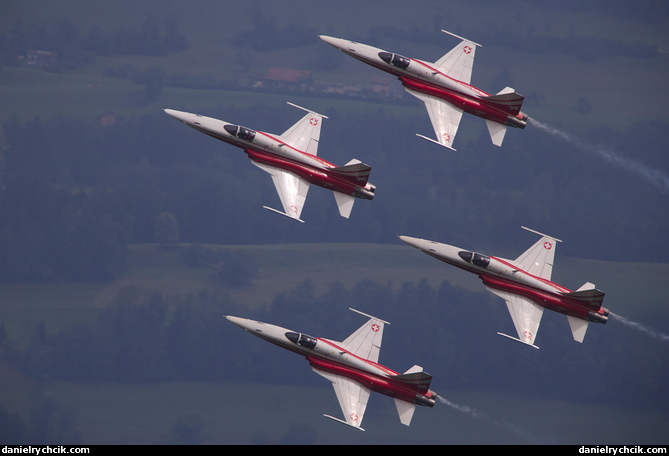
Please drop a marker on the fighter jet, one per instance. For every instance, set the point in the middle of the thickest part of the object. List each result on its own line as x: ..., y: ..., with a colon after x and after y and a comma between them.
x: 352, y: 367
x: 291, y: 159
x: 444, y: 87
x: 524, y: 283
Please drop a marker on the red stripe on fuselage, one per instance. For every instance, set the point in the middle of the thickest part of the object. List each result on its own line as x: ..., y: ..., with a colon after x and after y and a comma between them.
x: 316, y: 176
x: 559, y: 288
x: 376, y: 383
x: 371, y: 363
x: 480, y: 92
x: 469, y: 104
x: 324, y: 163
x: 543, y: 298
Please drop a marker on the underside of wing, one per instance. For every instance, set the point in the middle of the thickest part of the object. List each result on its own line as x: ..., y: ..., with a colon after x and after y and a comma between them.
x: 365, y: 342
x: 305, y: 134
x: 526, y: 315
x: 458, y: 63
x: 444, y: 116
x: 538, y: 259
x: 291, y: 188
x: 352, y: 397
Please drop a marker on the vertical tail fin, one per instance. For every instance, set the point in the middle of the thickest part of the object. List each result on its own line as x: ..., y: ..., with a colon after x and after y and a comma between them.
x: 588, y: 295
x: 507, y: 100
x: 416, y: 378
x: 354, y: 171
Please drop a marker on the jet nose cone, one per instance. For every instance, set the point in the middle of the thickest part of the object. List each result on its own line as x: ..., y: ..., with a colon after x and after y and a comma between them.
x: 336, y: 42
x: 410, y: 240
x: 241, y: 322
x: 179, y: 115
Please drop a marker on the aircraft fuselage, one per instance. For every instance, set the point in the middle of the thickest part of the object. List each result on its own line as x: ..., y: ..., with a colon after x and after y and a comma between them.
x: 501, y: 274
x: 267, y: 149
x: 327, y: 355
x: 422, y: 77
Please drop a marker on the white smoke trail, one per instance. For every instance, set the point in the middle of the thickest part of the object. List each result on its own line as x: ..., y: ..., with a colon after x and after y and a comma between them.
x: 482, y: 416
x: 640, y: 327
x: 653, y: 176
x: 464, y: 408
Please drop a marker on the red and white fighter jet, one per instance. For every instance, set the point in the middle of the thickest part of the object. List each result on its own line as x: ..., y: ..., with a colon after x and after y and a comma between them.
x: 352, y: 367
x: 524, y: 283
x: 444, y: 86
x: 291, y: 159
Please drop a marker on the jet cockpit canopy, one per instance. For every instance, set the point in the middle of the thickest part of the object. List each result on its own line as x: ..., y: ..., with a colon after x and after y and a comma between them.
x: 240, y: 132
x: 394, y: 59
x: 302, y: 340
x: 476, y: 259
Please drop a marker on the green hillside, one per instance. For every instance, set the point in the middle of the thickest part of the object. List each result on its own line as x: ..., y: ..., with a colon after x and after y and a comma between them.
x: 633, y: 289
x: 558, y: 79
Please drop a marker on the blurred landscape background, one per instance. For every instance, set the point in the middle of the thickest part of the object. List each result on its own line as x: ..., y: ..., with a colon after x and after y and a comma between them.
x: 125, y: 236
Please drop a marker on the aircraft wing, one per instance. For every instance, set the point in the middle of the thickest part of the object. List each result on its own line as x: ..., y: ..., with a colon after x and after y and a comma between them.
x: 292, y: 190
x: 444, y: 116
x: 525, y: 314
x: 305, y: 134
x: 458, y: 63
x: 366, y: 341
x: 538, y: 259
x: 352, y: 397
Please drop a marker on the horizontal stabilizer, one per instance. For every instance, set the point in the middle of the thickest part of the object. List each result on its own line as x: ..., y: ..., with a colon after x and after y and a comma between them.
x: 356, y: 172
x: 405, y: 411
x: 510, y: 102
x: 416, y: 379
x: 344, y: 203
x: 578, y: 327
x: 497, y: 132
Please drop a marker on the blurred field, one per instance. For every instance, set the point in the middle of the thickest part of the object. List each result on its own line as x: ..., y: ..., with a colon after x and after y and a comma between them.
x: 257, y: 413
x: 633, y: 289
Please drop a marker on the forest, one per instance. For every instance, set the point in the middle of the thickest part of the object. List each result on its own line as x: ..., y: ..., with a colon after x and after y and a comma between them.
x: 148, y: 336
x: 97, y: 189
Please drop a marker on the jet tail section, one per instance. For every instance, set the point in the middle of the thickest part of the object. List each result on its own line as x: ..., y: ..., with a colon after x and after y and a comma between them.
x: 354, y: 171
x: 507, y: 100
x: 416, y: 378
x: 588, y: 295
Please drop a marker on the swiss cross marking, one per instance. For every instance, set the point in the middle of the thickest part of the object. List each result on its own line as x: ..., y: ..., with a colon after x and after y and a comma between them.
x: 313, y: 121
x: 375, y: 327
